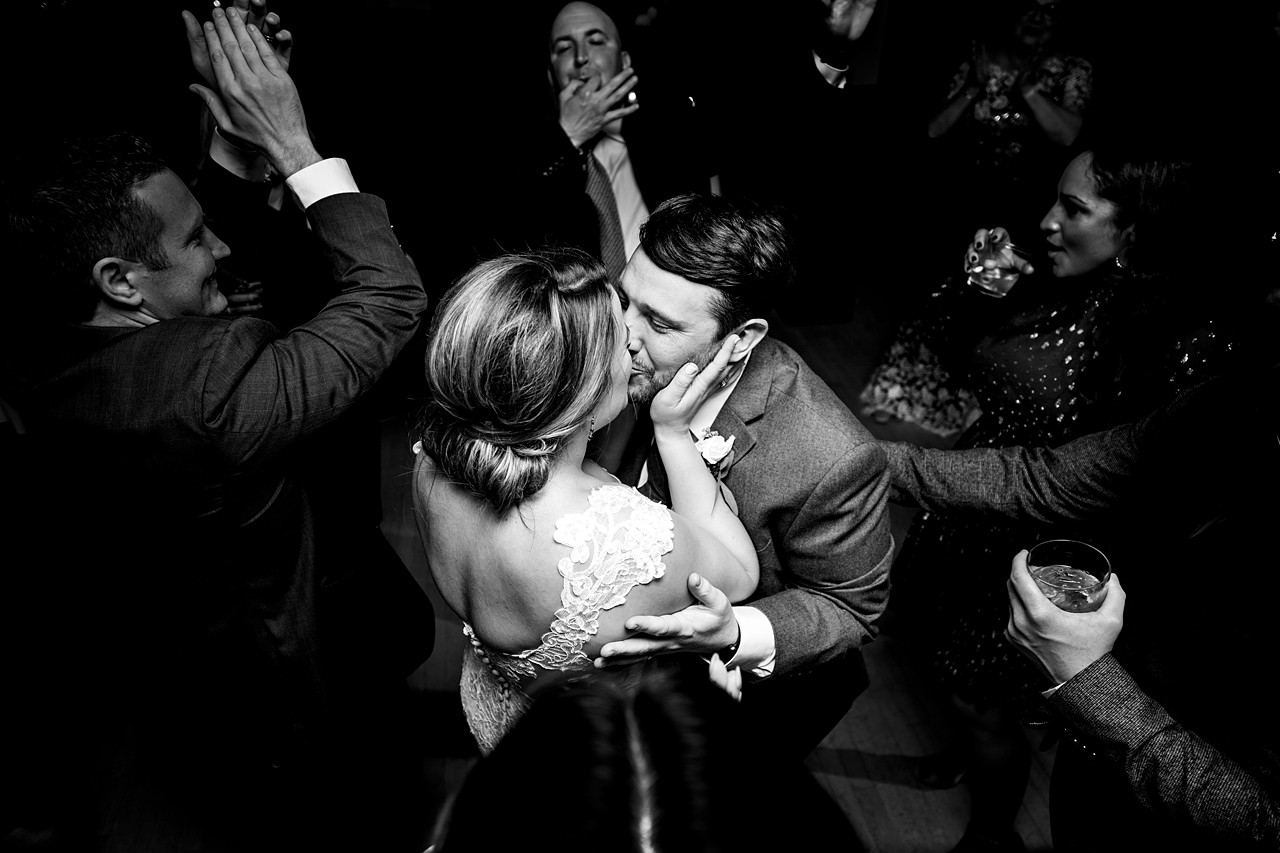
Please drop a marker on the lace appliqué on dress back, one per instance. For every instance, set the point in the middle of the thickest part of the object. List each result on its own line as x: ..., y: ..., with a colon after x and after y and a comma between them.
x: 608, y: 557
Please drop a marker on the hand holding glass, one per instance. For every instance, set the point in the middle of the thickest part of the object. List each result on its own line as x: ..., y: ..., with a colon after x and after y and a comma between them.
x: 1073, y: 575
x: 993, y: 263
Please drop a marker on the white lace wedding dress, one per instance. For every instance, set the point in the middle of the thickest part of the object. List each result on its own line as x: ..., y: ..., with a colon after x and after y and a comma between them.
x: 608, y: 556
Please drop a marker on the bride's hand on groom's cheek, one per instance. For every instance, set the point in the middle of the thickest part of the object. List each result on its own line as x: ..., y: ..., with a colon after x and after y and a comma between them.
x: 705, y: 627
x: 673, y: 407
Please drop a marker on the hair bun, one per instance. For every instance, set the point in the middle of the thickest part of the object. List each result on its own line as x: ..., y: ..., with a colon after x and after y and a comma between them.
x: 521, y: 353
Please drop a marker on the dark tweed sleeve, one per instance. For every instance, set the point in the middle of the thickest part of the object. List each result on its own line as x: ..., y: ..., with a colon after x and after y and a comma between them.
x: 262, y: 391
x: 1171, y: 770
x: 1069, y: 483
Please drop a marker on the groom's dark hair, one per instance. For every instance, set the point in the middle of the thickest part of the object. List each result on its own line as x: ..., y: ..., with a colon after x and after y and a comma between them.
x: 740, y: 248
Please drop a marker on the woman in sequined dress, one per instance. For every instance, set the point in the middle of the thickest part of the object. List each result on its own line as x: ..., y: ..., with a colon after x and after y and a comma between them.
x: 1109, y: 335
x: 1013, y: 108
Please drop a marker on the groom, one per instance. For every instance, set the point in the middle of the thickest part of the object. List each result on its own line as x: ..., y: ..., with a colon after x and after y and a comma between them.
x: 811, y: 484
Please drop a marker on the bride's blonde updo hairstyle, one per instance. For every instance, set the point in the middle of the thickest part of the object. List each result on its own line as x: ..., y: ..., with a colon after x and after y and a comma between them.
x: 520, y: 355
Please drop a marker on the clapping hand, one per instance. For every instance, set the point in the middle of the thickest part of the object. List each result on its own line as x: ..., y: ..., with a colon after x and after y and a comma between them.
x: 1059, y: 643
x: 704, y: 627
x: 980, y: 69
x: 1029, y: 81
x: 988, y: 241
x: 281, y: 40
x: 848, y: 19
x: 673, y: 407
x: 245, y: 302
x: 587, y: 106
x: 255, y: 100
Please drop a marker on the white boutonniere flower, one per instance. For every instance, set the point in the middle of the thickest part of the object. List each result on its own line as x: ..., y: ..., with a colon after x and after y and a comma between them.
x: 717, y: 452
x: 714, y: 448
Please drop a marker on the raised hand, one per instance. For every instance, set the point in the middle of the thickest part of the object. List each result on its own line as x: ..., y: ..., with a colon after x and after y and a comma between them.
x: 245, y: 302
x: 1059, y: 643
x: 704, y: 627
x: 587, y: 106
x: 992, y: 249
x: 674, y: 407
x: 848, y: 19
x: 255, y: 100
x: 281, y: 41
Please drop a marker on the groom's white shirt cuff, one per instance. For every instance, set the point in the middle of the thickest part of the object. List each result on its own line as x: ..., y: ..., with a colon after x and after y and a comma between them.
x: 757, y: 650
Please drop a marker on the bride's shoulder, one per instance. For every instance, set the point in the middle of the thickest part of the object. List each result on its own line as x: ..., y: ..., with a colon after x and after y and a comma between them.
x: 615, y: 497
x: 614, y: 509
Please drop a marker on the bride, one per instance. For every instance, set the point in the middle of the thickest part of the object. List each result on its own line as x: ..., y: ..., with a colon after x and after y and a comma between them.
x: 541, y: 552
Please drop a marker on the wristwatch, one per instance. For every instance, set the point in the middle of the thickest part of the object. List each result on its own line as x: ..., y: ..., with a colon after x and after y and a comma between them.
x: 727, y: 653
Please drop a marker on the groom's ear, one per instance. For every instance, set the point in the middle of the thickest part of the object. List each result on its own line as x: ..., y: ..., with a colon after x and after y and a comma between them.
x: 749, y: 334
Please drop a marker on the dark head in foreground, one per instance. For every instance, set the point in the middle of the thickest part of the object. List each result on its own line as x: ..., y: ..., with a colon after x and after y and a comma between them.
x: 660, y: 765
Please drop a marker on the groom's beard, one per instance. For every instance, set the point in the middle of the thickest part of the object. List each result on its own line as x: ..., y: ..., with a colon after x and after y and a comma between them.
x: 646, y: 380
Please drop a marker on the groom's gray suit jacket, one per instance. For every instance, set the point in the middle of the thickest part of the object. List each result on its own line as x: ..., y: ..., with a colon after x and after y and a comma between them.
x: 811, y: 486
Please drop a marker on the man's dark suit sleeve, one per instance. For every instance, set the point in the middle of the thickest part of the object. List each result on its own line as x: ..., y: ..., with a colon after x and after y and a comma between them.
x: 838, y: 551
x: 262, y: 391
x: 1171, y: 770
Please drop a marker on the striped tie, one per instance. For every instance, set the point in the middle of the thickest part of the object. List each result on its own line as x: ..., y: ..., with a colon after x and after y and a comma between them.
x: 613, y: 251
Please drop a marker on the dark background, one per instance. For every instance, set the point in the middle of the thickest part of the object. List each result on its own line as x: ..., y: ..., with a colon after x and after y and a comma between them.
x: 427, y: 100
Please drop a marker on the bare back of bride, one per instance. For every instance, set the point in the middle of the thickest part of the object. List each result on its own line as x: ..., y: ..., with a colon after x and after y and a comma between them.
x: 542, y: 553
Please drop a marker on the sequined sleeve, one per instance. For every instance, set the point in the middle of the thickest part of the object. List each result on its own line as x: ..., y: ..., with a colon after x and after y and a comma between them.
x: 1069, y: 82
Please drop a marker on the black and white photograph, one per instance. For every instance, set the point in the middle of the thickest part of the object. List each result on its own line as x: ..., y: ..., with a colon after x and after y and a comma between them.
x: 654, y: 426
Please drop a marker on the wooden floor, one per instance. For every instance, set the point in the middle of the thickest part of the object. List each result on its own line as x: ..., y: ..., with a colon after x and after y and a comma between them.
x: 866, y: 761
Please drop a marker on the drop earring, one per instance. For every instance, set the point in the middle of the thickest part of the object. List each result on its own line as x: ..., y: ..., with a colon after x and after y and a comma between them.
x: 591, y: 428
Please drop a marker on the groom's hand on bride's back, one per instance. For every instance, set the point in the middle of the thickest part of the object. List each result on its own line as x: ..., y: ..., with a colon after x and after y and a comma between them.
x: 704, y: 627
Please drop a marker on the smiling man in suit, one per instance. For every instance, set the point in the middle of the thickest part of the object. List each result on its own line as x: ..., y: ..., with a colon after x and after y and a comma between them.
x: 185, y: 601
x: 809, y: 481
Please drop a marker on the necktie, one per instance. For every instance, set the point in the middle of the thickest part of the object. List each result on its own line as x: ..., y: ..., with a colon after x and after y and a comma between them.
x: 637, y: 451
x: 656, y: 488
x: 613, y: 251
x: 642, y: 450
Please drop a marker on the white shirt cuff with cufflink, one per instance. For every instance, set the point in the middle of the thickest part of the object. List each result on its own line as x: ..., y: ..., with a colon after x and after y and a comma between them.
x: 321, y: 180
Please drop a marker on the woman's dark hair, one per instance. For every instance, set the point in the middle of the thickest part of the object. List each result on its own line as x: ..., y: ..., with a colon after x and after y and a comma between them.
x: 521, y: 353
x: 652, y: 766
x: 1162, y: 192
x: 1168, y: 190
x: 73, y: 205
x: 741, y: 249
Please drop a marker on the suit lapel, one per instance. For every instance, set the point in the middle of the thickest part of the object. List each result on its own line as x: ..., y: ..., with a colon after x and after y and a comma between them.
x: 745, y: 405
x: 748, y: 401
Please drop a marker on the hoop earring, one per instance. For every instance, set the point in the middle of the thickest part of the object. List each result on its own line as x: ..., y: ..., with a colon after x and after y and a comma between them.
x: 1122, y: 259
x: 591, y: 428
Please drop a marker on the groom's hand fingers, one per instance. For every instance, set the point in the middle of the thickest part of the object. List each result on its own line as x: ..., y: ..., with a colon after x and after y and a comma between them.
x: 634, y: 650
x: 659, y: 626
x: 706, y: 593
x: 662, y: 634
